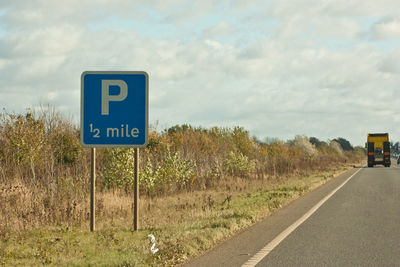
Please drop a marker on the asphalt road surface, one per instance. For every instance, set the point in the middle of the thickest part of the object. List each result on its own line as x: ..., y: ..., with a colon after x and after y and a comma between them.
x: 356, y: 225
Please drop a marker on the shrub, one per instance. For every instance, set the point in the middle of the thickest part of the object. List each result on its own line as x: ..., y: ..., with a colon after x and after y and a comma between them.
x: 174, y: 169
x: 244, y: 144
x: 238, y: 165
x: 119, y: 168
x: 303, y: 143
x: 45, y: 148
x: 336, y: 147
x: 172, y: 172
x: 25, y: 139
x: 149, y: 179
x: 67, y: 148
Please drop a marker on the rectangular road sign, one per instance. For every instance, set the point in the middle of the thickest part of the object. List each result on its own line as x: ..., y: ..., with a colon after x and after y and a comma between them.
x: 114, y: 108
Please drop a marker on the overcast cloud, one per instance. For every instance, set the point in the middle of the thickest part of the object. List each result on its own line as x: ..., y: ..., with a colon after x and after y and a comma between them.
x: 277, y: 68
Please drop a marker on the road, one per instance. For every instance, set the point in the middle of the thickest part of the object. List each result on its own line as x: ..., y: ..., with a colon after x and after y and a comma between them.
x: 358, y: 225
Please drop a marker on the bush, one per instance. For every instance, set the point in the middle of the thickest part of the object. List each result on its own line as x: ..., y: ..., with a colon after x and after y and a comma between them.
x: 172, y: 172
x: 336, y: 147
x: 42, y: 152
x: 67, y: 148
x: 304, y: 145
x: 118, y: 171
x: 238, y: 165
x: 24, y: 140
x: 175, y: 170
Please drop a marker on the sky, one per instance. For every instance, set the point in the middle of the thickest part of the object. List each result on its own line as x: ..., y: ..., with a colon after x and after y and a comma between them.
x: 323, y: 68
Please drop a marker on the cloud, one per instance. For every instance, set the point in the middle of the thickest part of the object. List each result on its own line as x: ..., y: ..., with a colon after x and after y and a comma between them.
x: 191, y: 11
x: 280, y: 74
x: 390, y: 63
x: 337, y: 8
x: 220, y: 30
x: 386, y: 29
x: 315, y: 18
x: 48, y: 41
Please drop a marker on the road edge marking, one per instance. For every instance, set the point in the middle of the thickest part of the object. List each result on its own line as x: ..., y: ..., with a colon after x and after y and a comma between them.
x: 279, y: 238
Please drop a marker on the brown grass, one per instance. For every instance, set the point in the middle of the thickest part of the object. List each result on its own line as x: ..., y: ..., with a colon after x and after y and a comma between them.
x: 184, y: 223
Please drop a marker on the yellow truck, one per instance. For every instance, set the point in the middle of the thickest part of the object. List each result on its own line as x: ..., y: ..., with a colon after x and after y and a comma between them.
x: 378, y: 147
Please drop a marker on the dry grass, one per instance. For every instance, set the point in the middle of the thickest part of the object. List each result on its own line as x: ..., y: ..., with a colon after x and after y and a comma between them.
x: 29, y: 208
x: 184, y: 224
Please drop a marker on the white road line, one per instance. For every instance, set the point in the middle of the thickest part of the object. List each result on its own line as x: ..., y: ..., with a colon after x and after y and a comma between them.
x: 271, y: 245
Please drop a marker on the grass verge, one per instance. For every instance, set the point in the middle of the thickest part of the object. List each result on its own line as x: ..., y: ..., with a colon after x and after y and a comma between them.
x: 184, y: 225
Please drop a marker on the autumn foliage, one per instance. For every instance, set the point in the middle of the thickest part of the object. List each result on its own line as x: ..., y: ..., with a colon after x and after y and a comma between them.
x: 44, y: 171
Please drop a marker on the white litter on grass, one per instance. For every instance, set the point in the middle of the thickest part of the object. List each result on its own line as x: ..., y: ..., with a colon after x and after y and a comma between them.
x: 153, y: 240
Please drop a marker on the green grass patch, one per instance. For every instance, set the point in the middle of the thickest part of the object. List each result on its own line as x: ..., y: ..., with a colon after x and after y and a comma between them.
x: 74, y: 248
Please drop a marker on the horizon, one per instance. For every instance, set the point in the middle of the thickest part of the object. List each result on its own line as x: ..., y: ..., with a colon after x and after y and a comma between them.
x: 164, y: 128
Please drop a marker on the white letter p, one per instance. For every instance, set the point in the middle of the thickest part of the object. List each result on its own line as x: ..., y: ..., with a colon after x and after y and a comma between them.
x: 106, y: 98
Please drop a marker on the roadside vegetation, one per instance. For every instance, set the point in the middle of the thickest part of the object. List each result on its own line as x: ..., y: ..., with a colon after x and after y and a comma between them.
x: 198, y: 186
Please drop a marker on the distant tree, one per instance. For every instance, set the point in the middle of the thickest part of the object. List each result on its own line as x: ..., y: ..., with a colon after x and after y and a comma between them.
x: 344, y: 144
x: 184, y: 128
x: 272, y: 140
x: 316, y: 142
x: 179, y: 128
x: 396, y: 148
x: 257, y: 141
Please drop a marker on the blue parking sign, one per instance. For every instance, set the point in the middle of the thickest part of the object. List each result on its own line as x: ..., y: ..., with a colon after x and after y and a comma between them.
x: 114, y: 108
